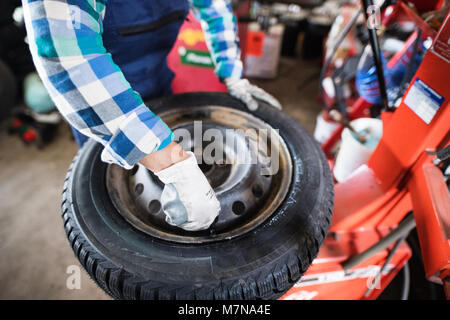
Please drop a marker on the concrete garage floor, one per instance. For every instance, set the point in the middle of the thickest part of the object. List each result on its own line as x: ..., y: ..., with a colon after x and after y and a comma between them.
x: 35, y: 253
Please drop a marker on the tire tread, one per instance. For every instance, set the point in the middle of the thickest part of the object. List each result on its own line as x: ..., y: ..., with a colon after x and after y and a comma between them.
x: 272, y: 281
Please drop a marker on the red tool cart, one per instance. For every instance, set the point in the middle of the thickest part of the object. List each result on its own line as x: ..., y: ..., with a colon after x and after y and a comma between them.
x: 364, y: 250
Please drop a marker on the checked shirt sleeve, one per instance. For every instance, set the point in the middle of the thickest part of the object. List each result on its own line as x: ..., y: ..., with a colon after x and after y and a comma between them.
x: 90, y: 91
x: 220, y: 29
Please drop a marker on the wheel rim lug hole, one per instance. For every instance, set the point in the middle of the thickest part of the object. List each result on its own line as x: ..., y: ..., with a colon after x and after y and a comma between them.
x: 257, y: 190
x: 154, y: 206
x: 238, y: 207
x: 139, y: 189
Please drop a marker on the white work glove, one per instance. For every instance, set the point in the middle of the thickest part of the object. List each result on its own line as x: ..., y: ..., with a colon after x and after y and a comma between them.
x: 243, y: 90
x: 188, y: 200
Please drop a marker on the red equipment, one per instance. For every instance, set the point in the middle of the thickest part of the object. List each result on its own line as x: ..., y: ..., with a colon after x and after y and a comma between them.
x: 399, y: 178
x: 191, y: 41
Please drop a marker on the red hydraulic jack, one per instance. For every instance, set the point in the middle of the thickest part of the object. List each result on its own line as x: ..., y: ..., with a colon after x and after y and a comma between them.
x: 364, y: 249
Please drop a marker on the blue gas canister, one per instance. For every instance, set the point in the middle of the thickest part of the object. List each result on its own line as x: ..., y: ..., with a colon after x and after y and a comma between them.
x: 366, y: 77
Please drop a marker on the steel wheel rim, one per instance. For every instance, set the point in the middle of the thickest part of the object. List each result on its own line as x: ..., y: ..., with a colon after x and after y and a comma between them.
x: 248, y: 198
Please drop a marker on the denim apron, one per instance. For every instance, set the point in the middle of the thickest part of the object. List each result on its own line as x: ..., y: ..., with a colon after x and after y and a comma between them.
x: 139, y: 34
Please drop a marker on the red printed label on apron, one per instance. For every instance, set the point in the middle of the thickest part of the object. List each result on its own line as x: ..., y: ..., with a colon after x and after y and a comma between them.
x: 255, y: 43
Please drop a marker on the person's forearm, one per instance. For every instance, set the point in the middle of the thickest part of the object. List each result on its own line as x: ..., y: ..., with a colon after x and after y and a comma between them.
x: 220, y: 28
x: 86, y: 85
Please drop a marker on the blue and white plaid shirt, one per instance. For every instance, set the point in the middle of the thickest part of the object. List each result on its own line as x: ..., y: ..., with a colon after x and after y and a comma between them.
x: 90, y: 90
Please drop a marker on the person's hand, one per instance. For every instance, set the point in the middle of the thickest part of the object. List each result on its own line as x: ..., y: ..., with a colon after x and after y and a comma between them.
x: 243, y: 90
x: 159, y: 160
x: 187, y: 199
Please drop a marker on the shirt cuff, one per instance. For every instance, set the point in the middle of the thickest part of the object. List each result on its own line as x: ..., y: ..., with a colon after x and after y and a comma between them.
x: 229, y: 69
x: 139, y: 134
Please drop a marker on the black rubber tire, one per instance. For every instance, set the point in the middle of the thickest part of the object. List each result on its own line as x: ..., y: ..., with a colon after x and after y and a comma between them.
x: 261, y: 264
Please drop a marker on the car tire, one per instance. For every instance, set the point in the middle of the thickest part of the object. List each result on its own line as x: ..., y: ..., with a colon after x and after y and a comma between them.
x: 260, y: 264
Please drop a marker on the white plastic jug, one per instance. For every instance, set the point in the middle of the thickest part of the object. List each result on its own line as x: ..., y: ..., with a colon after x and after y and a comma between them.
x: 324, y: 128
x: 352, y: 153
